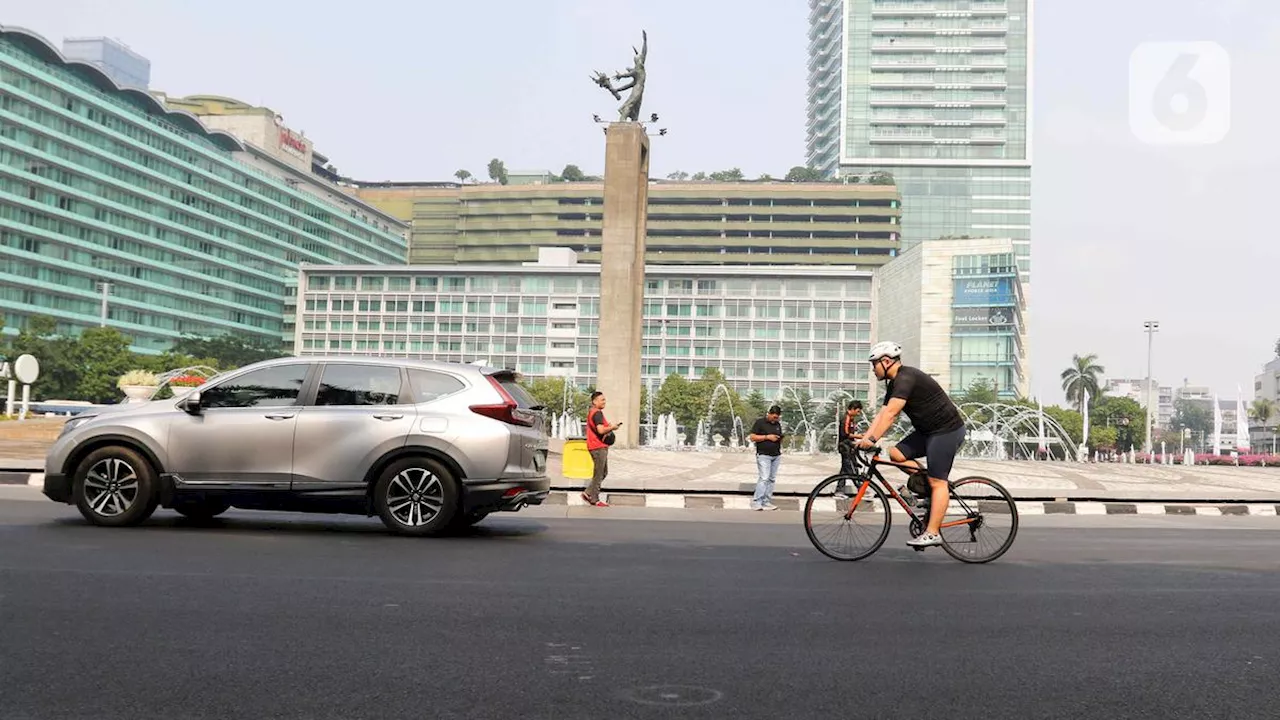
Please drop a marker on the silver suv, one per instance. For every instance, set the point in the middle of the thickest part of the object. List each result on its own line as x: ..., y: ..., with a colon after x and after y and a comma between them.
x: 428, y: 447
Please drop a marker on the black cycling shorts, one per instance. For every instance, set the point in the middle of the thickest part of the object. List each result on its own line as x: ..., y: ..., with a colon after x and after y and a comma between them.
x: 939, y: 451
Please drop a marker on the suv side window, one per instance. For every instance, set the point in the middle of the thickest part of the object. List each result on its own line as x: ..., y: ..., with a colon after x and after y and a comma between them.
x: 343, y: 384
x: 430, y: 386
x: 268, y: 387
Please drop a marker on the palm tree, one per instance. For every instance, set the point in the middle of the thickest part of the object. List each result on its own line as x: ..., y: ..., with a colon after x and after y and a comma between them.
x: 1261, y: 410
x: 1082, y: 376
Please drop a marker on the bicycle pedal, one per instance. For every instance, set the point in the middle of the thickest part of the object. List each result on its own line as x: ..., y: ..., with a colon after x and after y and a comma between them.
x: 918, y: 549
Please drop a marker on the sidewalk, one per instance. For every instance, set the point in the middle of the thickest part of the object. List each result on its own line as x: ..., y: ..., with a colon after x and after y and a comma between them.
x: 692, y: 473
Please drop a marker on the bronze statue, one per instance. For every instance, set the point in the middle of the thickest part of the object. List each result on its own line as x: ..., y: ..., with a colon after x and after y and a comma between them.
x: 630, y: 110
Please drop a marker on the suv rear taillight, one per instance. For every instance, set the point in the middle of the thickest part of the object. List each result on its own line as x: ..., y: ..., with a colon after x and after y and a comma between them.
x: 508, y: 411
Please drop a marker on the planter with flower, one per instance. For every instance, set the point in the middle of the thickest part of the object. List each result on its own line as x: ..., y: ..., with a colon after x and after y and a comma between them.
x: 183, y: 384
x: 138, y: 385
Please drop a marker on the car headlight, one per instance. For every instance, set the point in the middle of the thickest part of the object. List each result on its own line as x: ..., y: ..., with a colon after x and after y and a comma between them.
x: 74, y: 423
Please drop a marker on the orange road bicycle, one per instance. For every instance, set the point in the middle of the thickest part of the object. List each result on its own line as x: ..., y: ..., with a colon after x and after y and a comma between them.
x: 980, y: 524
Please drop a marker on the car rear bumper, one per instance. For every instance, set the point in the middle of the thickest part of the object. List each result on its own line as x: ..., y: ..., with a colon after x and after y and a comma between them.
x: 505, y: 495
x: 57, y: 487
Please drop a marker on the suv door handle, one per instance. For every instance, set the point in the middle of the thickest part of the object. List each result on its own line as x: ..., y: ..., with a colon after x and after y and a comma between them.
x: 388, y: 417
x: 280, y: 417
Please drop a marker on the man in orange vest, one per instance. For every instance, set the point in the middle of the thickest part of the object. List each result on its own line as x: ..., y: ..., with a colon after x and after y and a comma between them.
x: 599, y: 437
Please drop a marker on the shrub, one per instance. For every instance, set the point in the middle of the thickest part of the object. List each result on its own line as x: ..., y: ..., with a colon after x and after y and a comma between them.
x: 137, y: 377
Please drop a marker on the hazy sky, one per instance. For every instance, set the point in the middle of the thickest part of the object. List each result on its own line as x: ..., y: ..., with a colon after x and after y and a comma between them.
x: 1123, y: 231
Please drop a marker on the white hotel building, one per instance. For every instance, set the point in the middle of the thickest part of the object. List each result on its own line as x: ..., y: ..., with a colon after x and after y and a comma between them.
x: 765, y: 327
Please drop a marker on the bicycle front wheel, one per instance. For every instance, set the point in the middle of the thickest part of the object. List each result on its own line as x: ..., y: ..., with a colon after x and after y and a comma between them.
x: 981, y: 520
x: 848, y: 527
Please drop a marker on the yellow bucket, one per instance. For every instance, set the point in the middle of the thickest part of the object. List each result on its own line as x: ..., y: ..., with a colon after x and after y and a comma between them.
x: 577, y: 463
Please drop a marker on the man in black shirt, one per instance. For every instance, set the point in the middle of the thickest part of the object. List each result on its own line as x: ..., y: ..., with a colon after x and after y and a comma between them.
x: 767, y: 434
x: 938, y: 428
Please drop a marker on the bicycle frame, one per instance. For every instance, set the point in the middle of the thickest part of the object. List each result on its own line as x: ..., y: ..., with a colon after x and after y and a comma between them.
x: 872, y: 472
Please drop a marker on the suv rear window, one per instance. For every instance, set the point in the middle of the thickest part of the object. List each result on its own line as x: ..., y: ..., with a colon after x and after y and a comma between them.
x: 430, y: 386
x: 523, y: 400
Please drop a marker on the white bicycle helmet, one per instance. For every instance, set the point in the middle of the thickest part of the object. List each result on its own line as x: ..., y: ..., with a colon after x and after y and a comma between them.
x: 884, y: 349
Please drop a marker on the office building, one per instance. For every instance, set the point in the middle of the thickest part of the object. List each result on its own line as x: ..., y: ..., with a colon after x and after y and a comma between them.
x: 936, y: 93
x: 689, y: 223
x: 958, y: 310
x: 125, y: 67
x: 804, y: 327
x: 107, y: 193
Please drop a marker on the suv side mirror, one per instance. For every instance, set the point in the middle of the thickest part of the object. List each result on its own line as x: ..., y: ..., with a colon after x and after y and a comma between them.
x: 190, y: 403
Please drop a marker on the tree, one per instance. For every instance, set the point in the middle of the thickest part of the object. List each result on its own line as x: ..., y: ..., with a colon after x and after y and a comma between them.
x: 1125, y: 415
x: 1102, y: 438
x: 59, y: 366
x: 981, y: 391
x: 228, y: 351
x: 1261, y: 411
x: 1193, y: 416
x: 1082, y: 376
x: 699, y: 177
x: 559, y: 396
x: 498, y: 171
x: 103, y: 356
x: 572, y: 173
x: 679, y: 397
x: 463, y: 175
x: 881, y: 177
x: 1071, y: 421
x: 766, y: 177
x: 678, y: 175
x: 756, y: 405
x: 733, y: 175
x: 800, y: 173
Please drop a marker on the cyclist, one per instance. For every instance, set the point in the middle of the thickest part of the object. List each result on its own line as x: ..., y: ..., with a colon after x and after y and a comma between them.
x: 938, y: 429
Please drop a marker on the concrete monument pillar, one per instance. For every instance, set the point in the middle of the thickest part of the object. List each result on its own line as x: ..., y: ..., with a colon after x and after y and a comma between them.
x: 626, y: 208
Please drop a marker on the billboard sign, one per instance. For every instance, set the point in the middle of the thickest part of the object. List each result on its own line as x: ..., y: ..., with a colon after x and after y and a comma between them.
x: 977, y: 317
x: 984, y: 291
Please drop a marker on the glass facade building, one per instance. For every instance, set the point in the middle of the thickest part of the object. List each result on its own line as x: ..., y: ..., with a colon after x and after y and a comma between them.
x: 102, y: 184
x: 938, y: 93
x: 987, y: 323
x: 803, y: 327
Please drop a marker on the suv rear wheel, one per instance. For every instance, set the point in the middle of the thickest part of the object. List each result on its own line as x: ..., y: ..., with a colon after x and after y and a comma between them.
x: 416, y: 496
x: 115, y: 486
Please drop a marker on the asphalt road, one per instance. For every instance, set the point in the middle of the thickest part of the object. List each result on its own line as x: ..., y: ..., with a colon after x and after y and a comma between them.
x: 546, y: 616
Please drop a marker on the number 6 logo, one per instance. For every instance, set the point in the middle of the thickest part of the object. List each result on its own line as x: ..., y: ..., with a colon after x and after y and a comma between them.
x: 1179, y: 93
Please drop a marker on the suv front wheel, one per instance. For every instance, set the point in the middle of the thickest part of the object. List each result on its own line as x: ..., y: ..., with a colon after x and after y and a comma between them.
x: 115, y: 486
x: 416, y: 496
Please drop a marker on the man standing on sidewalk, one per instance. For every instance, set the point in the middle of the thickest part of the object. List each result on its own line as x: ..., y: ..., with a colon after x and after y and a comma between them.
x: 766, y: 433
x: 847, y: 437
x: 599, y: 437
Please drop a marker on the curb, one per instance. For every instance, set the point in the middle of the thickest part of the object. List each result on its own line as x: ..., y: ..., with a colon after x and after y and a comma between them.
x: 22, y: 478
x: 676, y: 501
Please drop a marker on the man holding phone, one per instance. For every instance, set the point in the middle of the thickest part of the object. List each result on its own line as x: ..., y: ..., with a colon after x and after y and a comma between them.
x: 599, y: 437
x: 767, y: 434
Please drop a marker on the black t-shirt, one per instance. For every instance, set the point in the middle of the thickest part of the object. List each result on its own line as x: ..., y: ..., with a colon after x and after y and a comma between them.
x: 928, y: 405
x: 764, y: 427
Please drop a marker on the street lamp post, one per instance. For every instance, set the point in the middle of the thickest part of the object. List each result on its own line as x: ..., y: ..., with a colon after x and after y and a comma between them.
x: 1152, y: 327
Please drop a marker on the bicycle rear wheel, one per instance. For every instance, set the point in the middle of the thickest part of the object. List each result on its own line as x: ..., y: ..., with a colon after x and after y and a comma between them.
x: 981, y: 520
x: 838, y: 533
